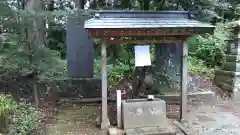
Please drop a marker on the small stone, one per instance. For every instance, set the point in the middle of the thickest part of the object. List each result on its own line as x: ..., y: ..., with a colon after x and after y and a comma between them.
x: 113, y: 131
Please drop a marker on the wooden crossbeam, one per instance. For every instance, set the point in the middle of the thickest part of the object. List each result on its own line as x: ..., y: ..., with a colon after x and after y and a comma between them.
x: 141, y: 32
x: 117, y: 42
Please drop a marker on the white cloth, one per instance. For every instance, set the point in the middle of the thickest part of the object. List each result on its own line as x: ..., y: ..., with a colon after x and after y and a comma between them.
x: 142, y: 56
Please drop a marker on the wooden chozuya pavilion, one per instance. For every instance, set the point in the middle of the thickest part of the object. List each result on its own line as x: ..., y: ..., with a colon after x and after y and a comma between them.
x: 141, y: 27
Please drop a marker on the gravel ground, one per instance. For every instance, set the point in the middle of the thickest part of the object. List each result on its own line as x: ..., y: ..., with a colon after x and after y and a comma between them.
x: 76, y: 120
x: 204, y: 119
x: 221, y: 119
x: 80, y: 120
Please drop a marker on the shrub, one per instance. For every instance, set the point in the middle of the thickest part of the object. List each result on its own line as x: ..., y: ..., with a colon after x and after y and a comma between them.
x: 197, y: 67
x: 116, y: 71
x: 7, y: 106
x: 24, y: 120
x: 17, y: 119
x: 210, y: 48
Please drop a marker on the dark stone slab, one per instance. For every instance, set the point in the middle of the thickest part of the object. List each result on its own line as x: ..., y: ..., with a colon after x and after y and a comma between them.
x: 83, y: 88
x: 21, y: 88
x: 168, y: 60
x: 80, y: 49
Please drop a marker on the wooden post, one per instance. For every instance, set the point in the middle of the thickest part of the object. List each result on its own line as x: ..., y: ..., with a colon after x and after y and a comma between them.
x: 104, y: 118
x: 184, y: 78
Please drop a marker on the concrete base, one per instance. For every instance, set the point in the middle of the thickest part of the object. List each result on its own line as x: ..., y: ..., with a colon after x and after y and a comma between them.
x: 236, y: 96
x: 151, y: 131
x: 115, y: 131
x: 142, y: 131
x: 138, y: 113
x: 105, y: 125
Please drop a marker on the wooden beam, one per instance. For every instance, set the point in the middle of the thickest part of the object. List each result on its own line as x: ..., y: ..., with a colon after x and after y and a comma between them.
x: 104, y: 118
x: 185, y: 130
x: 184, y: 78
x: 141, y: 32
x: 118, y: 41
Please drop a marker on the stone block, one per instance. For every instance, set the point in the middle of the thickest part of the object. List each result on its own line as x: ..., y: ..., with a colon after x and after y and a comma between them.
x: 138, y: 113
x: 219, y: 79
x: 231, y: 66
x: 232, y: 58
x: 236, y: 95
x: 115, y: 131
x: 233, y: 47
x: 227, y: 73
x: 226, y: 87
x: 207, y: 97
x: 227, y: 80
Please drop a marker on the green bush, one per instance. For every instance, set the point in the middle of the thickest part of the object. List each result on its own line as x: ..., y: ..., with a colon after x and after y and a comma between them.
x: 196, y: 66
x: 116, y: 71
x: 24, y: 120
x: 17, y: 119
x: 210, y: 48
x: 7, y: 107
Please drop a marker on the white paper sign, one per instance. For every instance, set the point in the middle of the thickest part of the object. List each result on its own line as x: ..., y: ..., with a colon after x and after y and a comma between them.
x: 142, y: 56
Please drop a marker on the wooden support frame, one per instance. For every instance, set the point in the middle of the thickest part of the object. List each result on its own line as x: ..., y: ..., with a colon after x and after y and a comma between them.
x: 143, y: 40
x: 117, y: 42
x: 184, y: 76
x: 144, y: 32
x: 113, y: 40
x: 184, y: 83
x: 104, y: 113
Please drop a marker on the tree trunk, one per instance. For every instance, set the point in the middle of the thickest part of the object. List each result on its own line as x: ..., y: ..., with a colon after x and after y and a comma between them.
x: 80, y: 4
x: 35, y: 90
x: 35, y: 38
x: 3, y: 125
x: 39, y: 24
x: 139, y: 81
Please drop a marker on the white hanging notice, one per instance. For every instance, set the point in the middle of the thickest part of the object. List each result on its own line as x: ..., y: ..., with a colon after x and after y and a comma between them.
x: 142, y: 56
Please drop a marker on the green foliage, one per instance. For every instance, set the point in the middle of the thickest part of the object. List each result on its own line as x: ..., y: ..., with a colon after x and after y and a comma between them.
x: 7, y: 106
x: 24, y: 120
x: 210, y: 48
x: 21, y: 118
x: 197, y: 66
x: 120, y: 70
x: 16, y: 59
x: 116, y: 71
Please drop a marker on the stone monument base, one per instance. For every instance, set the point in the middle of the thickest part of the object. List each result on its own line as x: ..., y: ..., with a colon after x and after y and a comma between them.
x: 138, y: 113
x: 151, y: 131
x: 228, y: 81
x: 145, y: 117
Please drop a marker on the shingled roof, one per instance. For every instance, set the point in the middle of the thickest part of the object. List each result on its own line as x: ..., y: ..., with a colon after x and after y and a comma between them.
x: 143, y: 19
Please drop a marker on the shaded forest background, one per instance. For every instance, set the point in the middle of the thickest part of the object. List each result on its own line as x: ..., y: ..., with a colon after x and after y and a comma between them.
x: 33, y: 37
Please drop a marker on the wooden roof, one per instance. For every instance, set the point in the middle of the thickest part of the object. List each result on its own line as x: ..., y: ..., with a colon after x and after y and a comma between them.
x: 142, y: 23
